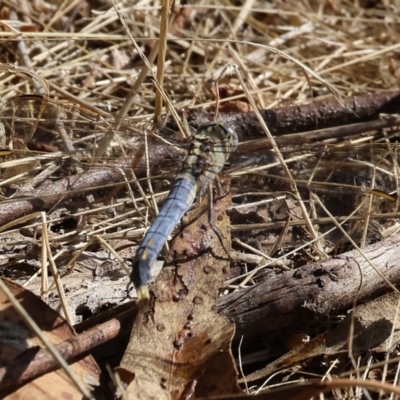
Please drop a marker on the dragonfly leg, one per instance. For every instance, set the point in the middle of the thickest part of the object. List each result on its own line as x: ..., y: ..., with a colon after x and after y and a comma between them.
x: 211, y: 219
x: 220, y: 190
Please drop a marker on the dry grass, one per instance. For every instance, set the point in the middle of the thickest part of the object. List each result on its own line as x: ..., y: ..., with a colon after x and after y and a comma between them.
x: 352, y: 48
x: 265, y: 53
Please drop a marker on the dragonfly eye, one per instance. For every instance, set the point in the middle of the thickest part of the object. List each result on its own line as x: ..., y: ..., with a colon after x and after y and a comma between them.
x: 231, y: 136
x: 206, y: 126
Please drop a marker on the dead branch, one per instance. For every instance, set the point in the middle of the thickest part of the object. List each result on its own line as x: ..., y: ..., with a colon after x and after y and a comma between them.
x: 319, y: 114
x: 299, y: 298
x: 35, y: 362
x: 294, y: 299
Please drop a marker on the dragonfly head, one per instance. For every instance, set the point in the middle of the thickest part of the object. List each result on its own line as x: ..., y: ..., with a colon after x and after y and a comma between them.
x: 221, y: 133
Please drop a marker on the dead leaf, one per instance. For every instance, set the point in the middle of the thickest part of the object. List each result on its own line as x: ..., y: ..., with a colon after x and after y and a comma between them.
x: 16, y: 339
x: 179, y: 344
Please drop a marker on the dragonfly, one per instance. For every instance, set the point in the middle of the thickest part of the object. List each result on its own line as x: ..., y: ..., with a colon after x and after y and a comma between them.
x: 212, y: 145
x: 53, y: 154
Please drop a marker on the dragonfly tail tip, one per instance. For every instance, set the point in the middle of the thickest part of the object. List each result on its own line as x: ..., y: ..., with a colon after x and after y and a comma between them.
x: 143, y: 293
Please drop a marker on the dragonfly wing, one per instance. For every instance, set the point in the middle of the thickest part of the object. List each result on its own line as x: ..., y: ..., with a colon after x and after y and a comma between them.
x: 39, y: 132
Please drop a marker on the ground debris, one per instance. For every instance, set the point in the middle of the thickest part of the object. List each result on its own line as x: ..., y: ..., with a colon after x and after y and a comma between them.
x: 179, y: 343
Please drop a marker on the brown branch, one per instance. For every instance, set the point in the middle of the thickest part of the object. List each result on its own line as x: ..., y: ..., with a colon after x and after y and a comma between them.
x: 306, y: 117
x: 29, y: 365
x: 303, y: 296
x: 336, y: 132
x: 49, y: 194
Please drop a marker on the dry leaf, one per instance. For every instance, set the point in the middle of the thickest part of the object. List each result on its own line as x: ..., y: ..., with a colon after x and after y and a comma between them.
x: 179, y: 344
x: 16, y: 339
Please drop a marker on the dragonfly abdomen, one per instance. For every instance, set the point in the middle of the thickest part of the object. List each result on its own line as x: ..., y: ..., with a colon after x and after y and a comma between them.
x: 177, y: 203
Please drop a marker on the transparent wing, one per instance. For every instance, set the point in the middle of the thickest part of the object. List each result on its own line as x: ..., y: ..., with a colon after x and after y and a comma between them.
x: 51, y: 153
x: 48, y: 148
x: 360, y: 181
x: 341, y: 169
x: 35, y: 127
x: 37, y: 131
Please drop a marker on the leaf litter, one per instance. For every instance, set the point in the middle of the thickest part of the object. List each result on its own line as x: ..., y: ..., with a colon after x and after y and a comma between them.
x: 190, y: 354
x: 350, y: 44
x: 19, y: 343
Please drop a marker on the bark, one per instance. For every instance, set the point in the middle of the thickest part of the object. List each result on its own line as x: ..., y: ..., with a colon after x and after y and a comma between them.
x: 318, y: 114
x: 293, y: 299
x: 301, y: 297
x: 35, y: 362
